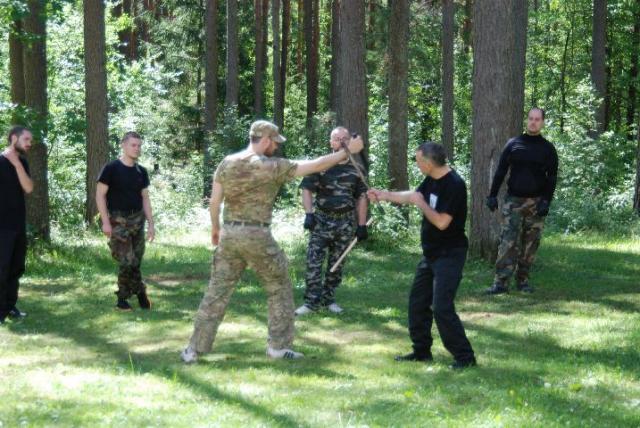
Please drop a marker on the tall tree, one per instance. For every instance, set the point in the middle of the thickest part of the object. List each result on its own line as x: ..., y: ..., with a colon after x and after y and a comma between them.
x: 260, y: 50
x: 311, y: 15
x: 520, y: 22
x: 233, y: 55
x: 598, y: 61
x: 210, y: 86
x: 448, y: 12
x: 335, y: 54
x: 35, y: 97
x: 278, y: 101
x: 398, y: 93
x: 352, y: 100
x: 97, y: 133
x: 286, y: 39
x: 300, y: 38
x: 16, y: 65
x: 633, y: 71
x: 494, y: 58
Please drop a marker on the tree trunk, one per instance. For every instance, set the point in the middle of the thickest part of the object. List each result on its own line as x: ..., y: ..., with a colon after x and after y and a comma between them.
x: 494, y: 49
x: 300, y: 39
x: 232, y: 84
x: 335, y: 54
x: 633, y: 72
x: 448, y: 12
x: 467, y: 25
x: 352, y: 100
x: 563, y: 79
x: 311, y: 55
x: 260, y: 48
x: 598, y: 61
x: 16, y: 67
x: 286, y: 39
x: 278, y: 102
x: 35, y: 72
x: 210, y: 88
x: 398, y: 93
x: 520, y: 17
x: 97, y: 132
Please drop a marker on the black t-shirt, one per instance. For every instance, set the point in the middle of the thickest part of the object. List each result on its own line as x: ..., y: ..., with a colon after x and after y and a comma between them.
x: 12, y: 206
x: 447, y: 195
x: 125, y: 185
x: 533, y: 162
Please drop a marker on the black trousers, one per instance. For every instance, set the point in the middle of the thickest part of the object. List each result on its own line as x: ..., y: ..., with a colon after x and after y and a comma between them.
x: 432, y: 294
x: 13, y: 251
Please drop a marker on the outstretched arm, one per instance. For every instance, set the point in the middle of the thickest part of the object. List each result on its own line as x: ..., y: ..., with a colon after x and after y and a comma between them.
x: 439, y: 220
x: 325, y: 162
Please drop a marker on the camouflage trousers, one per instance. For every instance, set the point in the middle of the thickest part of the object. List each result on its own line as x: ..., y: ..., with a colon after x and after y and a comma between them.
x: 328, y: 240
x: 127, y: 248
x: 519, y: 239
x: 241, y: 247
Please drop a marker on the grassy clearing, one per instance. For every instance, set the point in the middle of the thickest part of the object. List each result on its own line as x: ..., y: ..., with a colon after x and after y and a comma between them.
x: 567, y: 355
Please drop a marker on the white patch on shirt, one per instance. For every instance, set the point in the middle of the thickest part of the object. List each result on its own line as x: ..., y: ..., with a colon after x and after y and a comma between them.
x: 433, y: 200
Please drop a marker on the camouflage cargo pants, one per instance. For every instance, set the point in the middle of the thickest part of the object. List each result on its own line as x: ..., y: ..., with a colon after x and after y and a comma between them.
x: 241, y: 247
x: 127, y: 248
x: 328, y: 240
x: 519, y: 239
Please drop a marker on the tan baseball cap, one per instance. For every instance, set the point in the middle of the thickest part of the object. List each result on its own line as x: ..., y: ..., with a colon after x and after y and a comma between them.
x: 264, y: 128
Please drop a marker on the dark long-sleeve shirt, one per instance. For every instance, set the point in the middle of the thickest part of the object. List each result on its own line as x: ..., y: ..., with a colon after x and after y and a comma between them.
x: 533, y: 162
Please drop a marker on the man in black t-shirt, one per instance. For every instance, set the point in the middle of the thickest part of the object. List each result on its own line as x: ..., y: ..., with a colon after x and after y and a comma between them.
x: 14, y: 183
x: 442, y: 198
x: 533, y: 165
x: 339, y: 192
x: 122, y: 197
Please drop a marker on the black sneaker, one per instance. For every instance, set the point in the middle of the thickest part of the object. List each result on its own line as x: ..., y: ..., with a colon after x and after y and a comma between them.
x: 463, y: 364
x: 525, y: 287
x: 123, y: 305
x: 16, y: 313
x: 415, y: 357
x: 496, y: 288
x: 143, y: 300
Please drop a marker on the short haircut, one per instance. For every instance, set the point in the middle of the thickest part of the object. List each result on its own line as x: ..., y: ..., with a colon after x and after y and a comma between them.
x: 17, y: 131
x: 539, y: 109
x: 433, y: 151
x: 340, y: 129
x: 128, y: 135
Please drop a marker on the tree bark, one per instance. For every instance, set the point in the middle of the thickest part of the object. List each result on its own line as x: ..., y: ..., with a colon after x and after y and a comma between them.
x: 300, y: 38
x: 311, y: 55
x: 633, y: 72
x: 16, y: 66
x: 335, y: 54
x: 598, y: 62
x: 353, y: 101
x: 232, y: 80
x: 35, y: 72
x: 260, y: 49
x: 520, y: 16
x: 210, y: 88
x: 448, y: 12
x: 278, y: 102
x: 286, y: 40
x: 494, y: 48
x: 398, y: 93
x: 97, y: 132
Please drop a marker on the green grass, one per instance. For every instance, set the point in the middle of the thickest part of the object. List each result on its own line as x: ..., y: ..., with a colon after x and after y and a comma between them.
x: 567, y: 355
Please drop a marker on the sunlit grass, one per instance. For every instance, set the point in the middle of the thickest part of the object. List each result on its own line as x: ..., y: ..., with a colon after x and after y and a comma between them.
x: 568, y: 355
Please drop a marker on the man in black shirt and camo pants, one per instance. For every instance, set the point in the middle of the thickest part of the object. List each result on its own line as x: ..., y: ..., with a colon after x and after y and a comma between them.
x: 123, y: 201
x: 338, y: 191
x: 533, y: 165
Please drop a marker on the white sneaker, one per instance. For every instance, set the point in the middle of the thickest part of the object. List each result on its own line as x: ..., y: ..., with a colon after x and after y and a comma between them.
x: 285, y: 353
x: 335, y: 308
x: 303, y: 310
x: 189, y: 355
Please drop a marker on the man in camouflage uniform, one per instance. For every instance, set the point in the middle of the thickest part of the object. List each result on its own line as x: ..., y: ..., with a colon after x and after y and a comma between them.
x: 533, y: 165
x: 248, y: 183
x: 339, y: 190
x: 122, y: 197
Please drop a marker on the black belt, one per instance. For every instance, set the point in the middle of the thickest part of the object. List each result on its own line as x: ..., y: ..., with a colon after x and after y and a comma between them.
x: 124, y: 213
x: 246, y: 223
x: 336, y: 214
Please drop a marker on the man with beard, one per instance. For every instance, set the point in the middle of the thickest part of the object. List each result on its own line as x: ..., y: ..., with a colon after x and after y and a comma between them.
x: 14, y: 183
x: 248, y: 182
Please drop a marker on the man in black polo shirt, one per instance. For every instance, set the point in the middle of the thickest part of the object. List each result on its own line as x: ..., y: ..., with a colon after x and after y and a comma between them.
x: 442, y: 198
x: 533, y: 165
x: 14, y: 183
x: 122, y: 198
